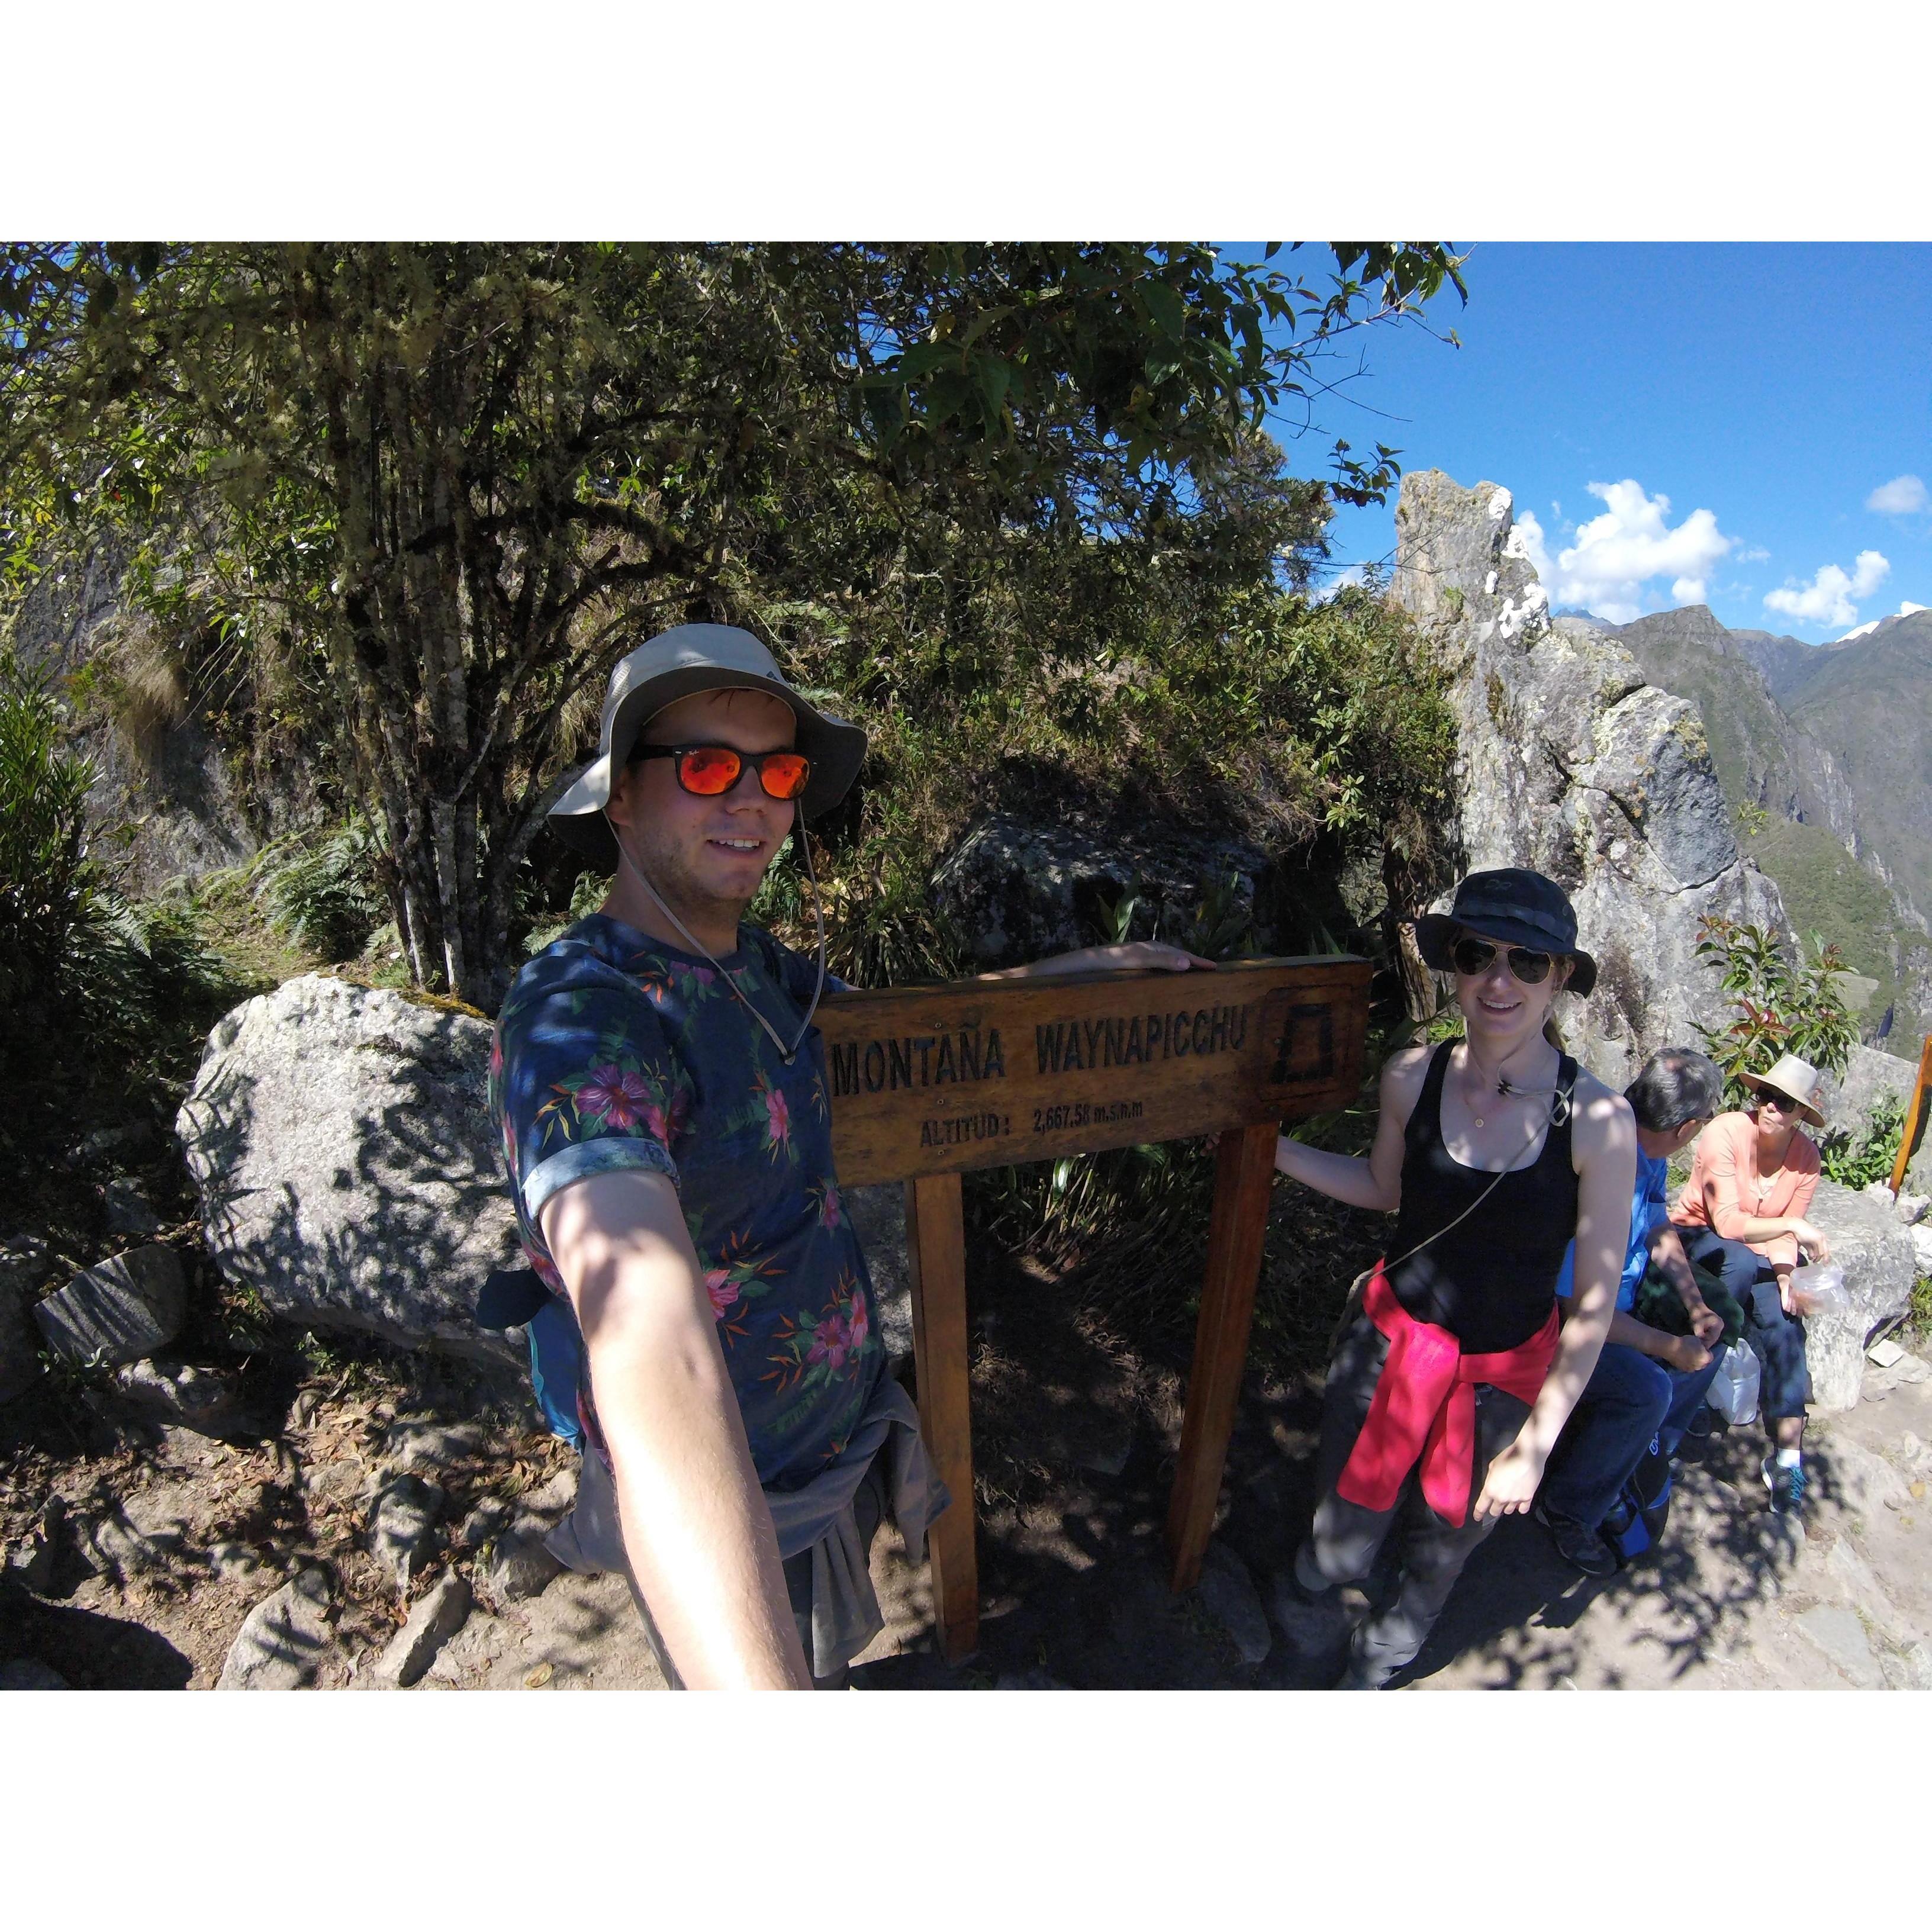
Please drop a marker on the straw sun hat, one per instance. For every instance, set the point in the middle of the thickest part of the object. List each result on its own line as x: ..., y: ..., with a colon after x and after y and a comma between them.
x: 1798, y: 1078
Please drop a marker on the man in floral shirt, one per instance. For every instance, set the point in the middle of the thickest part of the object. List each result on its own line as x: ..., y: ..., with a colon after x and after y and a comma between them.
x: 661, y: 1097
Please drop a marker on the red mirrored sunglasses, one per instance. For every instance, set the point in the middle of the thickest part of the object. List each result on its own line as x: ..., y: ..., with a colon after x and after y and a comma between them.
x: 709, y: 771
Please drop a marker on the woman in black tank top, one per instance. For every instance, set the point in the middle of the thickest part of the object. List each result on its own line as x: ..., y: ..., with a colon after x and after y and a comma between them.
x: 1494, y: 1151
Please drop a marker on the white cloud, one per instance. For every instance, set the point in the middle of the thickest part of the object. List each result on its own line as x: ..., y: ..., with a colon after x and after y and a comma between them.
x: 1831, y: 597
x: 1901, y: 497
x: 1618, y: 554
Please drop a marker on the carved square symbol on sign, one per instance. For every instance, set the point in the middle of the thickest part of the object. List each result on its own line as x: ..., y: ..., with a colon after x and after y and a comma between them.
x: 1304, y: 1046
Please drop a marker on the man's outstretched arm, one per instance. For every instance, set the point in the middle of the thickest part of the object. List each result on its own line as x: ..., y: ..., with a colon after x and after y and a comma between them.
x: 696, y: 1526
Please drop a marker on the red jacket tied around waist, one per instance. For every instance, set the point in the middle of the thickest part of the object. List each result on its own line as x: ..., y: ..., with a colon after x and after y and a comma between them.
x: 1424, y: 1407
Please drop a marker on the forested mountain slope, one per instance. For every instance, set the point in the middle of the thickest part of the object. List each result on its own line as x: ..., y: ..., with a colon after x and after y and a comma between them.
x: 1825, y: 755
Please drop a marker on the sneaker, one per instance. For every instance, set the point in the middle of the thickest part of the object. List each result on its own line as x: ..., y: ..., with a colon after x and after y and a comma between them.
x: 1577, y: 1543
x: 1786, y: 1482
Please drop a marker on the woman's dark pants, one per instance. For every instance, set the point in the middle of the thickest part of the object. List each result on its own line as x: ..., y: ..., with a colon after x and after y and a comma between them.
x: 1346, y: 1538
x: 1777, y: 1339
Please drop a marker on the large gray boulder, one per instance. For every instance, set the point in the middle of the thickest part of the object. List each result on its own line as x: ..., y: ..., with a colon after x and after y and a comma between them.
x: 341, y: 1142
x: 1848, y: 1100
x: 1019, y: 888
x: 1570, y: 763
x: 1880, y: 1265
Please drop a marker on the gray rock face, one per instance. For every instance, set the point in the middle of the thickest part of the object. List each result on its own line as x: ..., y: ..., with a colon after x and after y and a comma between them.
x: 348, y: 1173
x: 1019, y: 891
x: 23, y: 1265
x: 127, y: 1211
x: 437, y: 1617
x: 33, y: 1563
x: 1879, y: 1268
x: 878, y: 1220
x: 1568, y: 762
x: 520, y: 1567
x: 1848, y: 1100
x: 403, y: 1524
x: 177, y: 1392
x: 118, y: 1312
x: 280, y: 1645
x: 1229, y: 1593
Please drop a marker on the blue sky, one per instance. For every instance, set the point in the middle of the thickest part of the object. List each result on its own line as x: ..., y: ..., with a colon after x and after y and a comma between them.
x: 1686, y: 423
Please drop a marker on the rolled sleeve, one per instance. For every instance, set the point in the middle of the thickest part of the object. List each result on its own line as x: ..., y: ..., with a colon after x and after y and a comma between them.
x: 552, y: 1175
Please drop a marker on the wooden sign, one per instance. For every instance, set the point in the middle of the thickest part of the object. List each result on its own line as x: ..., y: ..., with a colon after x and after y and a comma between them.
x: 928, y: 1081
x: 939, y: 1079
x: 1914, y: 1114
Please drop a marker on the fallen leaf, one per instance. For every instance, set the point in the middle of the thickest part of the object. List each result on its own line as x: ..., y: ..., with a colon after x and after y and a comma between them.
x: 538, y: 1678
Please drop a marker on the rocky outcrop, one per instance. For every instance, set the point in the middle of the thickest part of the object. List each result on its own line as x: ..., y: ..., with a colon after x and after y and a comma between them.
x: 349, y: 1173
x: 123, y: 1309
x: 1019, y: 889
x: 1877, y: 1255
x: 1569, y: 762
x: 1762, y: 757
x: 341, y: 1142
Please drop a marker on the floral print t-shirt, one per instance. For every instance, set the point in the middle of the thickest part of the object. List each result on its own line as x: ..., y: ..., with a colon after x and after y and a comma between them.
x: 614, y: 1050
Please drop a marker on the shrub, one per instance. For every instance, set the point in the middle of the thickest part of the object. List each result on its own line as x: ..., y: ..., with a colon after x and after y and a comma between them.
x: 1778, y: 1006
x: 1856, y: 1160
x: 46, y: 875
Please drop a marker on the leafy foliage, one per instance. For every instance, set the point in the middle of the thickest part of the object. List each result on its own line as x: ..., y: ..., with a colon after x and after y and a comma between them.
x: 406, y: 505
x: 47, y: 879
x: 1778, y: 1005
x: 324, y: 891
x: 1856, y: 1160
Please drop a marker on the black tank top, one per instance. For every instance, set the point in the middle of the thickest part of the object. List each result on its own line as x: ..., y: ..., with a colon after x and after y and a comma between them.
x: 1491, y: 1280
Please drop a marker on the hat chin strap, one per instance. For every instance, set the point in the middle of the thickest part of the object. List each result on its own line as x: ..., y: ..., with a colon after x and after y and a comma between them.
x: 787, y: 1054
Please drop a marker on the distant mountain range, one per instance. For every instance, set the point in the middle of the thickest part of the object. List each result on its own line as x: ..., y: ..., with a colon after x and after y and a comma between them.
x: 1825, y: 755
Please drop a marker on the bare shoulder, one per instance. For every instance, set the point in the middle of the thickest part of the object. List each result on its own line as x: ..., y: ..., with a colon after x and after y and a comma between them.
x: 1604, y: 1124
x: 1402, y: 1078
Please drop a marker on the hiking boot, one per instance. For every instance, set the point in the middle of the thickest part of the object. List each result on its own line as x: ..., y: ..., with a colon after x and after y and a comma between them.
x: 1577, y: 1543
x: 1786, y: 1482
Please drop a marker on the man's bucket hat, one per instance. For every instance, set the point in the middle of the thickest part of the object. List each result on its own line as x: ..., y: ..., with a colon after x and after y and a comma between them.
x: 675, y: 664
x: 1515, y: 905
x: 1795, y: 1078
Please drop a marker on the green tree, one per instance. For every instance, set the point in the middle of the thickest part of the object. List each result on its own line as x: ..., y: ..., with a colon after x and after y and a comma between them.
x: 1778, y: 1005
x: 418, y: 498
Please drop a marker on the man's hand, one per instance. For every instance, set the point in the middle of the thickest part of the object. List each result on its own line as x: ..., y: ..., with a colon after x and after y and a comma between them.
x: 1706, y: 1323
x: 1687, y: 1353
x: 1510, y: 1485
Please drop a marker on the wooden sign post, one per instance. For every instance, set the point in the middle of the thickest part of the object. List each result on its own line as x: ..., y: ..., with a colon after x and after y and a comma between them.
x: 929, y: 1081
x: 1914, y: 1113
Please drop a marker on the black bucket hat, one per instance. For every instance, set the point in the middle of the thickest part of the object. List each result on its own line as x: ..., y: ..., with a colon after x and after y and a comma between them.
x: 1515, y: 905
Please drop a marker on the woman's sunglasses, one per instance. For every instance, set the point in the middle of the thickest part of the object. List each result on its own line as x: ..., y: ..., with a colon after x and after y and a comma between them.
x: 1473, y: 957
x: 1770, y: 1097
x: 709, y: 771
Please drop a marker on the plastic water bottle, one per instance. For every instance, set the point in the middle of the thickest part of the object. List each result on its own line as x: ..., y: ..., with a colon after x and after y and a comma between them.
x: 1819, y: 1289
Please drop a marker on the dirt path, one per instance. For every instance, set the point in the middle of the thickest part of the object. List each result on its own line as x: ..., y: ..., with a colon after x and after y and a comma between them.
x: 162, y: 1541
